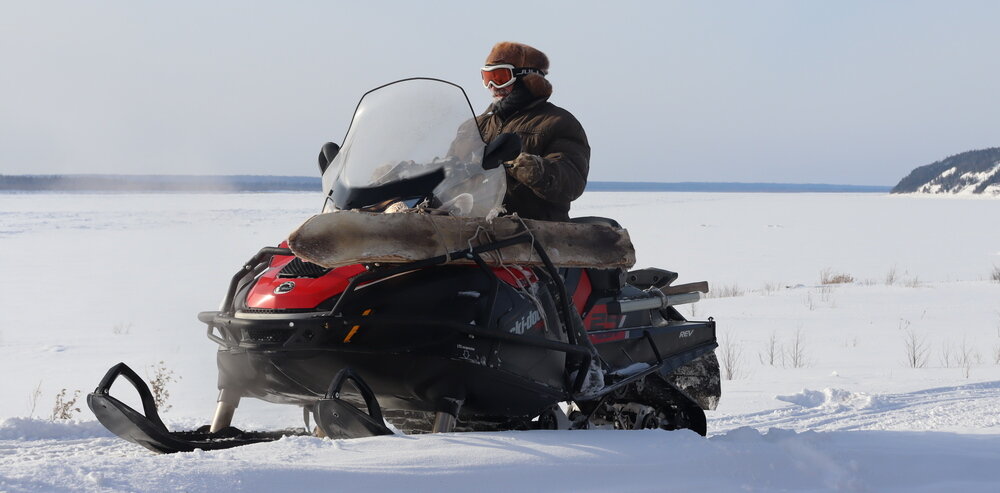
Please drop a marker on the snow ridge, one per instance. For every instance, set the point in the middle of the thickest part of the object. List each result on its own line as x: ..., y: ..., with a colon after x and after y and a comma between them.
x: 955, y: 408
x: 41, y: 429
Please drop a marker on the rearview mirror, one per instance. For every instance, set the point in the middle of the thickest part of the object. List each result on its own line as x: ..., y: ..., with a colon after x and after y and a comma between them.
x: 326, y: 155
x: 503, y: 148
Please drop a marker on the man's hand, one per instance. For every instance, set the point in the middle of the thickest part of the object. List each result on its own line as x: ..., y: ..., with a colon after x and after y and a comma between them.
x: 527, y: 168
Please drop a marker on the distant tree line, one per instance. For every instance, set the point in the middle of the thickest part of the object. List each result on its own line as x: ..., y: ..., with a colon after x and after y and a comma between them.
x: 253, y: 183
x: 157, y: 183
x: 976, y: 161
x: 731, y: 187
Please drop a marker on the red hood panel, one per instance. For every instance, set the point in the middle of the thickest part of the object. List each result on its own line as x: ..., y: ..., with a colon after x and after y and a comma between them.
x: 298, y: 293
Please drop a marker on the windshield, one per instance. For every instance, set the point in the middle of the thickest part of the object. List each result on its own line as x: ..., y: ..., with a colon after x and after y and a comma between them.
x: 414, y: 139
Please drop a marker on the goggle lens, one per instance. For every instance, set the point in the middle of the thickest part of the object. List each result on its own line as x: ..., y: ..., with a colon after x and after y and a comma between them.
x: 498, y: 75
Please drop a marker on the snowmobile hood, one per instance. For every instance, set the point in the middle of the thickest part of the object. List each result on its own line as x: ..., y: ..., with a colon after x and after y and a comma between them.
x: 281, y: 288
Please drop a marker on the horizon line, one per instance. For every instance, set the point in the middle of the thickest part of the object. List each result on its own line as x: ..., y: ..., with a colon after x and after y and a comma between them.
x: 301, y: 177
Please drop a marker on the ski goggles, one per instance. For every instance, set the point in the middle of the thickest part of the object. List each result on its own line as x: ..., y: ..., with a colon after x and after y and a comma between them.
x: 505, y: 74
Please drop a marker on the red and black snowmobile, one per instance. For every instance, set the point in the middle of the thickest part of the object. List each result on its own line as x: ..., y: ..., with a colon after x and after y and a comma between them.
x: 463, y: 340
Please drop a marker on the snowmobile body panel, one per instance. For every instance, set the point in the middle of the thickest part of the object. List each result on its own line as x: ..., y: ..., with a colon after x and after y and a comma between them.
x: 434, y: 335
x: 419, y: 382
x: 287, y: 284
x: 418, y: 338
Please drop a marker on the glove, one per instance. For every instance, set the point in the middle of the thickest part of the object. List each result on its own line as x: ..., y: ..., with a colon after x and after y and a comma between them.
x: 527, y: 168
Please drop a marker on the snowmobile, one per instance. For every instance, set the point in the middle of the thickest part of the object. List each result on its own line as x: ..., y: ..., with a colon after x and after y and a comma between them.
x: 464, y: 340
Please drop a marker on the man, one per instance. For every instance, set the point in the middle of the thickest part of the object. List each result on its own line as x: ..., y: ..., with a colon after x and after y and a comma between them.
x: 551, y: 170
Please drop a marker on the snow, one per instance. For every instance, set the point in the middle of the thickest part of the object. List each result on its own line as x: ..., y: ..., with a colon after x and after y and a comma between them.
x: 741, y: 459
x: 93, y: 279
x: 973, y: 179
x: 934, y: 186
x: 966, y: 185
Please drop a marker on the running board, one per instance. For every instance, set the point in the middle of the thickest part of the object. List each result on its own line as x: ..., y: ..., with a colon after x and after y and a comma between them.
x: 149, y: 431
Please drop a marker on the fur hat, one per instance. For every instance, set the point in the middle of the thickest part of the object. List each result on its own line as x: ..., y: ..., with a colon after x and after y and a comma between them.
x: 522, y: 55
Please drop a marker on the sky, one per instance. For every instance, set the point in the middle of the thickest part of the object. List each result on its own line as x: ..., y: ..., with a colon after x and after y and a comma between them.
x: 846, y: 92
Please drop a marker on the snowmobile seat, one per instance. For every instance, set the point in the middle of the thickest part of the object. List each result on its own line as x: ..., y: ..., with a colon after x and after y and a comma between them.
x: 604, y: 282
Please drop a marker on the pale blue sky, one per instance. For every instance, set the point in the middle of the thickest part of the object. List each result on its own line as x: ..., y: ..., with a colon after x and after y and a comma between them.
x: 768, y: 91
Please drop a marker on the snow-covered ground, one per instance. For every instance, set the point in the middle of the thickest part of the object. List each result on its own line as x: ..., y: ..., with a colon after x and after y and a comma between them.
x: 822, y: 396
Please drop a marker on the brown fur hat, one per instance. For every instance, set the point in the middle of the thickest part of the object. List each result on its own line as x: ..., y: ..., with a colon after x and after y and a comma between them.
x: 522, y: 55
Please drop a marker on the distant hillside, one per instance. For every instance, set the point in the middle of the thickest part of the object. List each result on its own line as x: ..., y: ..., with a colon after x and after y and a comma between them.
x: 158, y: 183
x: 253, y: 183
x: 973, y: 172
x: 730, y: 187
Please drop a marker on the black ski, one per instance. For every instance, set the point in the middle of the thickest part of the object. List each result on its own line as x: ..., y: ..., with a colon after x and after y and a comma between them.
x: 150, y: 432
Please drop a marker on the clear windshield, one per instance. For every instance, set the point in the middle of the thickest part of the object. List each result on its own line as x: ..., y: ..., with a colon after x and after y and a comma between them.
x: 410, y: 129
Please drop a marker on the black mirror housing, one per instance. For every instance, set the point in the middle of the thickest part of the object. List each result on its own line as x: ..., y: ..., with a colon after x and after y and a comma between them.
x: 326, y: 155
x: 503, y: 148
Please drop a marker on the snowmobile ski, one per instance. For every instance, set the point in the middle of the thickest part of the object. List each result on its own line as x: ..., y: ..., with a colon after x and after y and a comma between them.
x: 338, y: 418
x: 149, y: 431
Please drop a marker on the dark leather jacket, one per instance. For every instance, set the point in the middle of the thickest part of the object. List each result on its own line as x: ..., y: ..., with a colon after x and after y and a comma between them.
x: 554, y: 134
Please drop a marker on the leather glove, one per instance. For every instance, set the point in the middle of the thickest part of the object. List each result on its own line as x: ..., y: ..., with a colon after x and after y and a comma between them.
x: 527, y: 168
